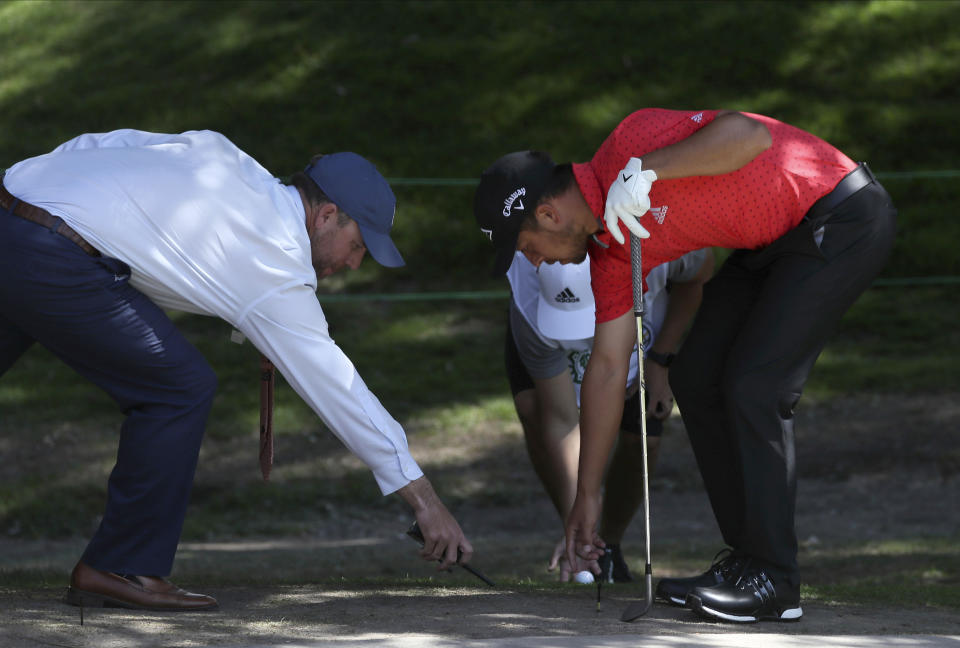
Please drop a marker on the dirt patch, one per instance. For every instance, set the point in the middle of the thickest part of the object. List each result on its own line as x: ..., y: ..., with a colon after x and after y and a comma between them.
x: 871, y: 469
x: 273, y: 616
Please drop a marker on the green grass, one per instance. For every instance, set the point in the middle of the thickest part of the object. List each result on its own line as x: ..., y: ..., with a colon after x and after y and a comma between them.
x: 902, y: 574
x: 896, y: 573
x: 894, y: 339
x: 436, y: 366
x: 440, y: 89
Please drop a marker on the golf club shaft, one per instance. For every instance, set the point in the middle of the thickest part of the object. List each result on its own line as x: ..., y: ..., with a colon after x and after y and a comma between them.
x: 636, y: 266
x: 643, y: 437
x: 635, y: 610
x: 478, y: 575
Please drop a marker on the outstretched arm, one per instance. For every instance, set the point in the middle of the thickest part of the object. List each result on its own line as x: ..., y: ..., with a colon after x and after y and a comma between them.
x: 601, y: 399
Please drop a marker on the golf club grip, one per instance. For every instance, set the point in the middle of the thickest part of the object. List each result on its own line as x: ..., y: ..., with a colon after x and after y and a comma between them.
x: 415, y: 533
x: 636, y: 269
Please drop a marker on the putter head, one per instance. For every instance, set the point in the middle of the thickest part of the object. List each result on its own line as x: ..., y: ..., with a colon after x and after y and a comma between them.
x: 638, y: 608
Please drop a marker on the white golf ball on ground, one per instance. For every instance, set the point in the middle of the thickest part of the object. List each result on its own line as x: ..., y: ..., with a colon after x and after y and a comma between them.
x: 583, y: 577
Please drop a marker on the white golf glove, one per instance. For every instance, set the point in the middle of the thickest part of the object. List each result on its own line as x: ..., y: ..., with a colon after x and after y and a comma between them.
x: 628, y: 200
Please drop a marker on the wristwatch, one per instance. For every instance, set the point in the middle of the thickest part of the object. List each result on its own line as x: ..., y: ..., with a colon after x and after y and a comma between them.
x: 662, y: 359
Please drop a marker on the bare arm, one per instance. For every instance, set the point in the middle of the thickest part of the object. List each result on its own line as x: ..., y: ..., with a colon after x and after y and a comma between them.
x: 684, y: 301
x: 601, y: 400
x: 554, y: 447
x: 552, y: 435
x: 729, y: 142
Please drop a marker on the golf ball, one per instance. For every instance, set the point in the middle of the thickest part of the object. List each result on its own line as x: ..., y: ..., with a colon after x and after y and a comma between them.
x: 584, y: 577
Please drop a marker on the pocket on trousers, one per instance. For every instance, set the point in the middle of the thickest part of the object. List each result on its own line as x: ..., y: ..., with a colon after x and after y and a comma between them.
x: 800, y: 240
x: 117, y: 268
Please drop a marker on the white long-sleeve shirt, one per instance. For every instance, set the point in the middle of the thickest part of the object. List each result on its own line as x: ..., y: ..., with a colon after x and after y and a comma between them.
x: 206, y: 229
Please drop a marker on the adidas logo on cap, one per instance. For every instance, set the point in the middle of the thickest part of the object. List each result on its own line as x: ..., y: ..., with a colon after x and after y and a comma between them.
x: 566, y: 296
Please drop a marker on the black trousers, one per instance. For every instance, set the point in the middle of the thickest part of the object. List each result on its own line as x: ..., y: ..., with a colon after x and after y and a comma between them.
x: 765, y: 318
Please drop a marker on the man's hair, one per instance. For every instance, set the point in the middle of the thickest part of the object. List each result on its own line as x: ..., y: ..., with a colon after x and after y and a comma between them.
x: 561, y: 180
x: 314, y: 194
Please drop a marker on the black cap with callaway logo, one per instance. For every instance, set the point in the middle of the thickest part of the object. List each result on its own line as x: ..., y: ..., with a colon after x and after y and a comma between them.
x: 508, y: 192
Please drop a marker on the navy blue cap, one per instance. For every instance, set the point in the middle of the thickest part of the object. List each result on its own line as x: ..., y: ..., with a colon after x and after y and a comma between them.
x: 357, y: 188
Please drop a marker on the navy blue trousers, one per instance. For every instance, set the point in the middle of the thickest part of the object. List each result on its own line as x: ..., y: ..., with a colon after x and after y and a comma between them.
x: 84, y: 310
x: 764, y: 319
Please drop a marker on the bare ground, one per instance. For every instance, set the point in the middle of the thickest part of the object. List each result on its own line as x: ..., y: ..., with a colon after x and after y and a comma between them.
x: 873, y: 469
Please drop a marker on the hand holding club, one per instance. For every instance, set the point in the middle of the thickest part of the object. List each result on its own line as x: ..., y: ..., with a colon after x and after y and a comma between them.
x: 415, y: 533
x: 628, y: 199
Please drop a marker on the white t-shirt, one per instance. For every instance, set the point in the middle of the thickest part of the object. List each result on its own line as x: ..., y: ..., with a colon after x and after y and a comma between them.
x: 206, y: 229
x: 546, y: 357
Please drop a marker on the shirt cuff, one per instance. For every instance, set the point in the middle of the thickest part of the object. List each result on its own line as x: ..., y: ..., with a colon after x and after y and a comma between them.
x: 395, y: 476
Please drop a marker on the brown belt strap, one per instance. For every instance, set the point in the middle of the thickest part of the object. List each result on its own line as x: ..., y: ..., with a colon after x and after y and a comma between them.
x: 267, y: 378
x: 267, y: 371
x: 42, y: 217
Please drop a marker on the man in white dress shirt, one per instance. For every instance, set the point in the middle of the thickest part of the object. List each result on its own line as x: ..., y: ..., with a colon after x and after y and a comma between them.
x: 100, y: 235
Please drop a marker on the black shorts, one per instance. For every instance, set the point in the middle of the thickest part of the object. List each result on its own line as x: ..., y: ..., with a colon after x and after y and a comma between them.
x: 520, y: 380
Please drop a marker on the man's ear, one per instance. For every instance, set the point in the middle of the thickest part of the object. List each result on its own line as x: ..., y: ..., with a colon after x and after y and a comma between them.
x: 547, y: 216
x: 324, y: 215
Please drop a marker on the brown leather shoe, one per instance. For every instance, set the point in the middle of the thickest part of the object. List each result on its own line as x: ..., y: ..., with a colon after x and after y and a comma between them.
x: 91, y: 587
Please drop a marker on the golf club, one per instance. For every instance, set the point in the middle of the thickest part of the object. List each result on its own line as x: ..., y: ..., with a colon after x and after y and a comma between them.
x: 415, y: 533
x: 639, y: 608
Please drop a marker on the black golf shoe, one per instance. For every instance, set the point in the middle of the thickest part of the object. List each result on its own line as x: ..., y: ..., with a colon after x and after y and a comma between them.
x: 752, y: 597
x: 613, y: 568
x: 675, y: 590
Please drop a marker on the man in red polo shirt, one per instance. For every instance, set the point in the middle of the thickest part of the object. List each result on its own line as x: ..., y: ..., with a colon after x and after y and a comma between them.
x: 810, y: 229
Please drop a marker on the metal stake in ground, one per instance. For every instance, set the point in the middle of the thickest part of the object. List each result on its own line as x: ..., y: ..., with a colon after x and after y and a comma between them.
x: 639, y: 608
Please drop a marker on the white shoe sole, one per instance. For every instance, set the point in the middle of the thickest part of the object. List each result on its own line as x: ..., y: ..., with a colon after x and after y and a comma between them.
x: 790, y: 614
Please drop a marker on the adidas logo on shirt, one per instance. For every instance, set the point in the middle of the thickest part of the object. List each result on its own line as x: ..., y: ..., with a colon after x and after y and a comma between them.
x: 659, y: 213
x: 698, y: 117
x: 566, y: 296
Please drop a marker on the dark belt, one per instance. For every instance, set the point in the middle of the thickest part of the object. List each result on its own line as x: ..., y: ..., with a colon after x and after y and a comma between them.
x: 851, y: 184
x: 42, y: 217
